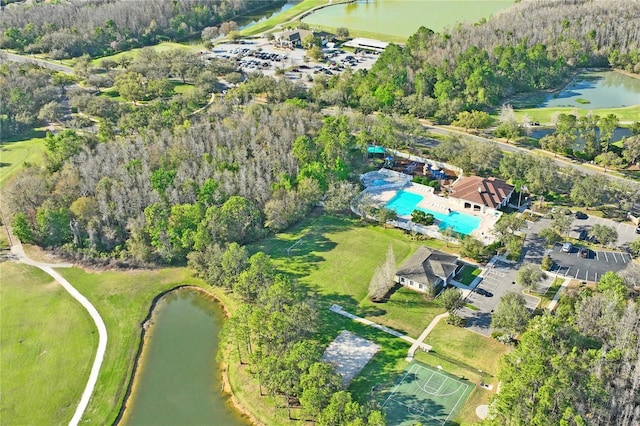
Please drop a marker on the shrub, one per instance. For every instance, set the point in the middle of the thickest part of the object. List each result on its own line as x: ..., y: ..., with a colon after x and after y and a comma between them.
x: 456, y: 320
x: 418, y: 216
x: 546, y: 263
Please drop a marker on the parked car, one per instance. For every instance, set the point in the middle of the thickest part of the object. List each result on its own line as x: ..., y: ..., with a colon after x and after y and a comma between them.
x: 584, y: 252
x: 566, y: 247
x: 638, y: 229
x: 581, y: 215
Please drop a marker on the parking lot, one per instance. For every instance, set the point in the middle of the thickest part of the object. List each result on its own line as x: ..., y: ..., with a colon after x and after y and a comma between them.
x: 261, y: 55
x: 498, y: 280
x: 626, y: 232
x: 589, y: 268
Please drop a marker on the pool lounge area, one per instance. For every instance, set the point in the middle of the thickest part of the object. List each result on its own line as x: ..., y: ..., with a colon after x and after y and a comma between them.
x: 445, y: 210
x: 404, y: 203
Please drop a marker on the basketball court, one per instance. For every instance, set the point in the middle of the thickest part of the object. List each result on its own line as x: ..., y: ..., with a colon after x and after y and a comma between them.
x: 425, y: 395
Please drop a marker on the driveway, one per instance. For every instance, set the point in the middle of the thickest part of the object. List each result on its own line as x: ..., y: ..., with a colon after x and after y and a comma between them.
x: 497, y: 281
x: 590, y: 268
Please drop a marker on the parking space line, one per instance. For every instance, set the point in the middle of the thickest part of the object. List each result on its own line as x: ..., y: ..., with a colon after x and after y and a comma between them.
x: 624, y: 260
x: 596, y: 280
x: 576, y: 276
x: 614, y: 257
x: 565, y: 274
x: 597, y: 258
x: 605, y: 256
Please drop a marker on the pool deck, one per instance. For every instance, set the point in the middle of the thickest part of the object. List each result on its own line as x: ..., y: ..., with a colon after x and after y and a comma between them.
x: 441, y: 204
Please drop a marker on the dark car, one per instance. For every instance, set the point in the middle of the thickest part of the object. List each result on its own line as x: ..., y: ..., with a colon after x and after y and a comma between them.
x: 584, y: 252
x: 638, y: 229
x: 483, y: 292
x: 581, y: 215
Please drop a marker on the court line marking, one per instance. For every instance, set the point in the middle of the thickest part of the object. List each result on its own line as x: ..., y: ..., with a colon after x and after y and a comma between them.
x: 413, y: 370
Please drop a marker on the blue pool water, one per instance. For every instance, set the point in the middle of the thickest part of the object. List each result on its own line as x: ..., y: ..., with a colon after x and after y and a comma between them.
x: 403, y: 203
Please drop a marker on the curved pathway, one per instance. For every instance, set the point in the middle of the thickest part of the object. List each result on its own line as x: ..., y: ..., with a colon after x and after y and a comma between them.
x: 18, y: 251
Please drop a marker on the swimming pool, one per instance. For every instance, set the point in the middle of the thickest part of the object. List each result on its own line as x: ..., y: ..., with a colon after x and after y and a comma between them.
x: 403, y: 203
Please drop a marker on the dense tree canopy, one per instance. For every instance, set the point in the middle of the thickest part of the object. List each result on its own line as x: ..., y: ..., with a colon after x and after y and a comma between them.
x: 99, y: 27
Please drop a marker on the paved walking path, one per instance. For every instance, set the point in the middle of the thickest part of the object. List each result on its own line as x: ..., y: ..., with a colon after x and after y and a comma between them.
x: 18, y: 252
x: 554, y: 302
x: 415, y: 344
x: 418, y: 343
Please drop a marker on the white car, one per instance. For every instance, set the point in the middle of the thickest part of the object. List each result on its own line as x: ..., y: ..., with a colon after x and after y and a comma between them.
x: 566, y: 247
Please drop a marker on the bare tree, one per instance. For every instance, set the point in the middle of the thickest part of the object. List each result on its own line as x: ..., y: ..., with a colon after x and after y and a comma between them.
x: 382, y: 280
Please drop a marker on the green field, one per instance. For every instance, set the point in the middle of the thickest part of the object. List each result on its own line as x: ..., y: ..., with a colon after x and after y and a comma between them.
x: 337, y: 258
x: 123, y: 300
x: 545, y: 115
x: 160, y: 47
x: 14, y: 152
x: 48, y: 342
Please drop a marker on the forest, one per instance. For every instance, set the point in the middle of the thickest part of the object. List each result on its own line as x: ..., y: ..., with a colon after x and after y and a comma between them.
x: 478, y: 66
x: 101, y: 27
x: 138, y: 178
x: 579, y: 366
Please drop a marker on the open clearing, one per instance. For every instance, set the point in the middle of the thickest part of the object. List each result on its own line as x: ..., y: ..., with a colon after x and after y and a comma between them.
x: 160, y: 47
x: 14, y: 152
x: 48, y: 343
x: 545, y: 115
x: 337, y: 258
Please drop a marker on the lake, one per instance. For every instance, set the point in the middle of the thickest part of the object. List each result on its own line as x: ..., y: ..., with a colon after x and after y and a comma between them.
x: 601, y: 89
x: 404, y: 17
x: 267, y: 13
x: 178, y: 382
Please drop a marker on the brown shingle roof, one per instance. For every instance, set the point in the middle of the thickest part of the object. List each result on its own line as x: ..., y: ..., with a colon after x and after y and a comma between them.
x: 493, y: 193
x: 426, y: 266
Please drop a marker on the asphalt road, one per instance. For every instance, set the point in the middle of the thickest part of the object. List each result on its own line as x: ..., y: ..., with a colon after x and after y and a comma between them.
x: 45, y: 64
x: 512, y: 148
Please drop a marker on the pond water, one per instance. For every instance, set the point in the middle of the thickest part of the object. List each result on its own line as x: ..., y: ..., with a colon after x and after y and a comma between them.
x: 178, y: 382
x: 597, y: 89
x: 267, y: 13
x: 403, y: 17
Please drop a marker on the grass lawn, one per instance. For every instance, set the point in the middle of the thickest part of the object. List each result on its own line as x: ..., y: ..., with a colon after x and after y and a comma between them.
x: 14, y: 152
x: 468, y: 274
x: 337, y: 257
x: 464, y: 353
x: 112, y: 94
x: 546, y: 298
x: 160, y: 47
x: 466, y: 350
x: 42, y: 379
x: 123, y: 299
x: 544, y: 115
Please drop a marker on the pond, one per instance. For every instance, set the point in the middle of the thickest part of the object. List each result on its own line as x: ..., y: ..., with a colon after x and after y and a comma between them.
x: 597, y: 89
x: 402, y: 18
x: 178, y: 380
x: 267, y: 13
